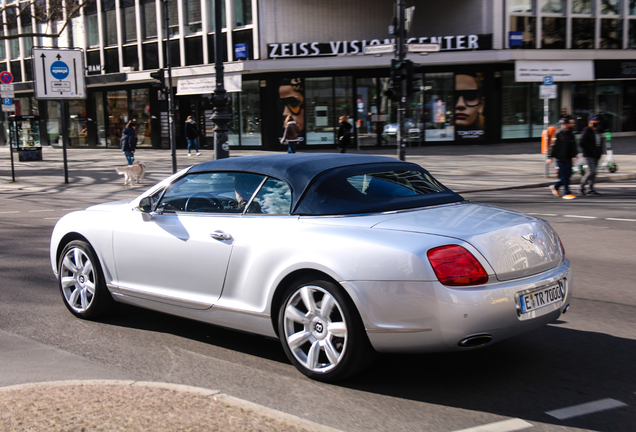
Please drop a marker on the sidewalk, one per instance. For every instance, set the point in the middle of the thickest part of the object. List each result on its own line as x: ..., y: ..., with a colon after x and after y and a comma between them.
x: 463, y: 168
x: 37, y: 394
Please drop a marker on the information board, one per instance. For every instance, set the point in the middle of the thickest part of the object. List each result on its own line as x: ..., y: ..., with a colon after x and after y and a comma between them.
x: 58, y: 74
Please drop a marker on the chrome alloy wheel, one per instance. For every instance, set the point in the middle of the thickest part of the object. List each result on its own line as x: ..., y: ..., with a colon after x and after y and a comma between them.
x: 315, y: 329
x: 78, y: 279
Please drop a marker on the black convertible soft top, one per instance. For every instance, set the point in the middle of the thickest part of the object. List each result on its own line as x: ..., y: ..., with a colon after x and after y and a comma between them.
x: 318, y: 180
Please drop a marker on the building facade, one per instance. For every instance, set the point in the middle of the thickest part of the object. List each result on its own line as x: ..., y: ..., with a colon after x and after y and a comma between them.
x: 307, y: 59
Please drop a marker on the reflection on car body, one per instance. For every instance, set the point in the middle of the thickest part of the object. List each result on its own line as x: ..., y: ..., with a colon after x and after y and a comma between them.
x: 338, y: 256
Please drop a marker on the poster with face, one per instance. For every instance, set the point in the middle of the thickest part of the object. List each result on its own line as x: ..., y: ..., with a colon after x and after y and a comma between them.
x: 470, y: 123
x: 292, y: 101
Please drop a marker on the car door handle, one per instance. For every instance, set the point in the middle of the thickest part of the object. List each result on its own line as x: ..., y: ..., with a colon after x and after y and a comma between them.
x: 218, y: 235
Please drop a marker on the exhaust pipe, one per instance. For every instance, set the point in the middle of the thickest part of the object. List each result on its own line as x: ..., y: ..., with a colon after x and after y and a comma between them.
x: 475, y: 341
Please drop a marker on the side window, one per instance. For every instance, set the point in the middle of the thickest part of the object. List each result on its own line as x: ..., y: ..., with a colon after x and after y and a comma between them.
x: 217, y: 192
x: 274, y: 197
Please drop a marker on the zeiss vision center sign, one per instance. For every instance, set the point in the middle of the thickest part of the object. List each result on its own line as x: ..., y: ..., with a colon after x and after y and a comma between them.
x: 58, y: 74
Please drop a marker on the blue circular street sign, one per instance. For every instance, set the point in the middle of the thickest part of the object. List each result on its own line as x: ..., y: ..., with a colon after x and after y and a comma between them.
x: 59, y: 70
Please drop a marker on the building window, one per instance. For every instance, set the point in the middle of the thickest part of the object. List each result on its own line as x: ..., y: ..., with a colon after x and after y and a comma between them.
x: 525, y: 24
x: 582, y: 6
x: 632, y: 7
x: 16, y: 71
x: 318, y: 108
x: 94, y: 63
x: 251, y: 113
x: 173, y: 18
x: 130, y: 24
x: 583, y: 33
x: 610, y: 7
x: 194, y: 16
x: 243, y: 12
x: 150, y: 20
x: 131, y: 57
x: 223, y: 20
x: 552, y: 6
x: 110, y: 25
x: 611, y: 34
x: 521, y: 6
x: 93, y: 30
x: 194, y: 50
x: 632, y: 35
x: 112, y: 60
x: 553, y: 33
x: 243, y: 37
x: 150, y: 55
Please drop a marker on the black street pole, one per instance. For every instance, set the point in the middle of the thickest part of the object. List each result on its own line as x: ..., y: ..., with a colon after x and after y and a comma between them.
x: 171, y: 125
x: 400, y: 40
x: 221, y: 116
x: 13, y: 136
x: 64, y: 137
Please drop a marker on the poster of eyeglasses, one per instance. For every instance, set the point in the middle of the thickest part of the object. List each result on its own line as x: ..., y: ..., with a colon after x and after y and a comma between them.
x: 470, y: 122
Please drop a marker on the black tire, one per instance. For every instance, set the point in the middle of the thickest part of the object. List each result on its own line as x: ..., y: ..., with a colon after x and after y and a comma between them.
x: 331, y: 343
x: 613, y: 168
x: 81, y: 281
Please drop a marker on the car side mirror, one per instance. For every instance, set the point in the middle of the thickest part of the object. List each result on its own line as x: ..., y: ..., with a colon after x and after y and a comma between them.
x: 145, y: 205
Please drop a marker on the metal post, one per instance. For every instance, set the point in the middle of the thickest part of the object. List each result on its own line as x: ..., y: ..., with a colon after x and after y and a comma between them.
x: 400, y: 40
x: 171, y: 124
x: 546, y: 114
x: 14, y: 135
x: 221, y: 116
x: 64, y: 137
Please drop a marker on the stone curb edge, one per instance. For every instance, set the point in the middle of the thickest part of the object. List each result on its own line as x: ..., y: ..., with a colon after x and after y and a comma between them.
x: 256, y: 408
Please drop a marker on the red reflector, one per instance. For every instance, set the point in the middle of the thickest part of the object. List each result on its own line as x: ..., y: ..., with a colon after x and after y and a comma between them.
x: 455, y: 266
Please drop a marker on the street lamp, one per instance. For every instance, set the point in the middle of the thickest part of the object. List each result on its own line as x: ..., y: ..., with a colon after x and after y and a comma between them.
x: 171, y: 128
x: 221, y: 115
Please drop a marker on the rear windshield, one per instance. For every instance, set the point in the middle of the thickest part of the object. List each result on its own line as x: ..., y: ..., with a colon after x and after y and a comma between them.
x: 350, y: 190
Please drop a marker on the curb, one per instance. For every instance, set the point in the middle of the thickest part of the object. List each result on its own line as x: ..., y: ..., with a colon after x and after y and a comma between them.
x: 246, y: 408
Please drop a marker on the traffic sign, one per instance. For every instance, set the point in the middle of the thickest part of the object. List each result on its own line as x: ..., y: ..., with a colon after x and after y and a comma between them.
x: 7, y: 101
x: 58, y: 74
x: 548, y: 80
x: 6, y: 77
x: 6, y: 91
x: 379, y: 49
x: 548, y: 92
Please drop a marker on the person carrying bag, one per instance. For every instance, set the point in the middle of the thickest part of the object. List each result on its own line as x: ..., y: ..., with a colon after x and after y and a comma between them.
x: 290, y: 137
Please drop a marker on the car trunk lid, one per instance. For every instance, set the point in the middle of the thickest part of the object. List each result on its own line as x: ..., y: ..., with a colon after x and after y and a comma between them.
x: 515, y: 245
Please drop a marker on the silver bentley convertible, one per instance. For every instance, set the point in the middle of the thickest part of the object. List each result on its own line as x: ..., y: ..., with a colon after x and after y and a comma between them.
x: 338, y: 256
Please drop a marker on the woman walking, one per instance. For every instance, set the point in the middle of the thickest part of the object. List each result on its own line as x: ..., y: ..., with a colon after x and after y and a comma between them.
x: 290, y: 137
x: 192, y: 134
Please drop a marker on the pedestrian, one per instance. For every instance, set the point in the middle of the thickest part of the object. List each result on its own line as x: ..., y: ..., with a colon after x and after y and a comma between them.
x: 344, y: 133
x: 129, y: 141
x: 564, y: 151
x: 192, y: 134
x: 591, y: 143
x: 290, y: 136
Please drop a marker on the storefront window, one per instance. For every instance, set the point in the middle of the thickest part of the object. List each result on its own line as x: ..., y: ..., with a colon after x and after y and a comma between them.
x: 140, y: 111
x: 100, y: 119
x: 611, y: 34
x: 117, y: 102
x: 608, y: 105
x: 437, y: 115
x: 53, y: 123
x: 344, y: 101
x: 582, y: 33
x: 553, y: 33
x: 537, y: 110
x: 582, y: 103
x: 629, y: 106
x: 526, y: 25
x: 366, y: 104
x: 319, y: 111
x: 251, y: 113
x: 77, y: 130
x: 581, y: 6
x: 233, y: 134
x: 552, y: 6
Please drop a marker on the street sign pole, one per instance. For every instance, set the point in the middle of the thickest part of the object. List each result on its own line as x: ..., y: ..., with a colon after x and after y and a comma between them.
x: 15, y: 137
x: 548, y: 81
x: 400, y: 40
x: 64, y: 137
x: 171, y: 125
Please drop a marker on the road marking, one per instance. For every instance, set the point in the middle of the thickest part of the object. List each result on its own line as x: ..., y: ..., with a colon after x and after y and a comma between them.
x: 502, y: 426
x: 621, y: 220
x: 51, y: 218
x: 582, y: 217
x: 38, y: 211
x: 14, y: 211
x: 79, y: 208
x: 586, y: 408
x: 543, y: 214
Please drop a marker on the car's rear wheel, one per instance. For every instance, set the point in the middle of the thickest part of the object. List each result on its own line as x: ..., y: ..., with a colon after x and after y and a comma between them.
x: 81, y: 281
x: 321, y: 331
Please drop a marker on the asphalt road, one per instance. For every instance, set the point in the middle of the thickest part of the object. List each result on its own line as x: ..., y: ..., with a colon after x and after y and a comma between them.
x: 587, y: 357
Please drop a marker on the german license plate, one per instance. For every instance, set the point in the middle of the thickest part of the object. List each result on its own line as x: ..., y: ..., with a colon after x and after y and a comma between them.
x: 540, y: 298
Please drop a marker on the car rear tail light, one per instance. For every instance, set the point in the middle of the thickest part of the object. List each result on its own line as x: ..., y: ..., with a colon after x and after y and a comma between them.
x: 455, y: 266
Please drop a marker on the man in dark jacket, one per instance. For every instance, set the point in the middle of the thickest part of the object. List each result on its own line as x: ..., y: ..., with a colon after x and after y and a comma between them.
x: 592, y: 147
x: 344, y: 133
x: 129, y: 141
x: 564, y: 151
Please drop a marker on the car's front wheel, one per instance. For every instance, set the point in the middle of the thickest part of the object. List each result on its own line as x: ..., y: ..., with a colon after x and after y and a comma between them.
x: 321, y: 331
x: 81, y: 281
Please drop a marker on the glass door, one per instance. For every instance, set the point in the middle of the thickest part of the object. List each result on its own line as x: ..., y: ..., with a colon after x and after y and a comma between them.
x: 319, y: 111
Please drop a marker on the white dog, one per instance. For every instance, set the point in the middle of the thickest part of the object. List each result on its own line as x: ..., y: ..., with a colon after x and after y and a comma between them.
x: 130, y: 172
